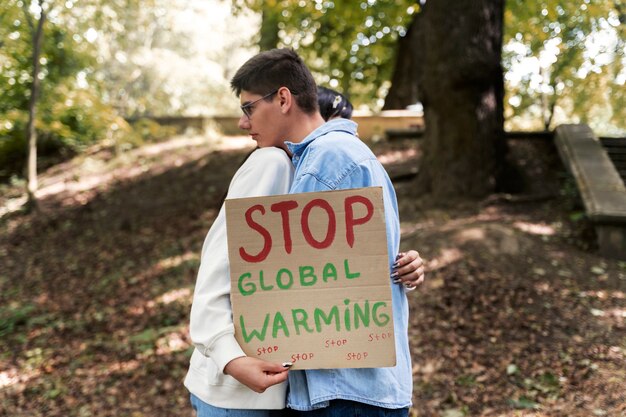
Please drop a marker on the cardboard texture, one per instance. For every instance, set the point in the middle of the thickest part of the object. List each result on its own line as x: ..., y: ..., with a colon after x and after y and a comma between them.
x: 310, y: 279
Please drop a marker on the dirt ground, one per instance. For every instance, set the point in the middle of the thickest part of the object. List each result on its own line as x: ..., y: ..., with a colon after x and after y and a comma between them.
x: 518, y: 316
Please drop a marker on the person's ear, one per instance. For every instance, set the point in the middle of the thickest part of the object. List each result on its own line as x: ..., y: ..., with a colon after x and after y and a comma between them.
x: 286, y: 99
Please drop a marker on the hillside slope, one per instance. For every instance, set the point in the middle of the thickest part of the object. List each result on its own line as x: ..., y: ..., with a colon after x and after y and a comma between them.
x: 514, y: 318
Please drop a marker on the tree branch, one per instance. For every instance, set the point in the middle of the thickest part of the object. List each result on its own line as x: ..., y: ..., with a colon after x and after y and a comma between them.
x: 29, y: 18
x: 621, y: 12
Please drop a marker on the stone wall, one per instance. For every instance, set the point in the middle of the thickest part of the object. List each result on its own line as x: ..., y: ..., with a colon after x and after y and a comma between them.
x: 371, y: 127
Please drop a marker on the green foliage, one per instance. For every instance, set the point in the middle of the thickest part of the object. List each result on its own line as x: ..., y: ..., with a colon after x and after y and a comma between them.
x: 135, y: 40
x: 15, y: 75
x: 64, y: 128
x: 580, y: 45
x: 348, y: 45
x: 71, y: 112
x: 544, y: 385
x: 93, y: 66
x: 12, y: 144
x: 565, y: 61
x: 524, y: 403
x: 12, y: 316
x: 146, y: 340
x: 150, y: 131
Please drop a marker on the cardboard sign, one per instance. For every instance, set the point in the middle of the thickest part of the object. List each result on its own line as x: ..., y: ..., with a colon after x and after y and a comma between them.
x: 310, y: 279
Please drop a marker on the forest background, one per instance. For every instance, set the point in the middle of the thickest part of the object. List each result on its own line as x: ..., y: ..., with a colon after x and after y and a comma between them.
x: 102, y: 64
x: 519, y: 315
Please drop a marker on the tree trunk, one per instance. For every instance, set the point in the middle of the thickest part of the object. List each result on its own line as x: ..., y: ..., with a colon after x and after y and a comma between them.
x: 404, y: 81
x: 269, y: 30
x: 462, y: 88
x: 32, y: 112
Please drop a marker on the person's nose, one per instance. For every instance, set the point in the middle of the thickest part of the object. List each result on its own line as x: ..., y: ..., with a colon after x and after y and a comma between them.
x: 244, y: 122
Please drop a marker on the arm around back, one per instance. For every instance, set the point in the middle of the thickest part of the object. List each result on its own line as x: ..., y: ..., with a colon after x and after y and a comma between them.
x: 267, y: 171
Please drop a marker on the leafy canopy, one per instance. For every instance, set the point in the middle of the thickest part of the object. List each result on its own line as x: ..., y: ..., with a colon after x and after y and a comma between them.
x: 565, y: 61
x: 348, y: 45
x: 70, y: 111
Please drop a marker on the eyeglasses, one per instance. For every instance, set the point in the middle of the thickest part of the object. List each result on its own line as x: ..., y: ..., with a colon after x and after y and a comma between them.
x: 247, y: 108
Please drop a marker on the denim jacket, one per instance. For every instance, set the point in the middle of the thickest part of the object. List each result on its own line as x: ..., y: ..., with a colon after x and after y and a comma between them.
x: 333, y: 158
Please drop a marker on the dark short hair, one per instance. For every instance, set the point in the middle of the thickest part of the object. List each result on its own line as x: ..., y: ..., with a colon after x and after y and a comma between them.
x: 270, y: 70
x: 333, y: 104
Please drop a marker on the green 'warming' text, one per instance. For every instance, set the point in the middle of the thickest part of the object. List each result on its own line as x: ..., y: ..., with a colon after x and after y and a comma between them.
x: 299, y: 320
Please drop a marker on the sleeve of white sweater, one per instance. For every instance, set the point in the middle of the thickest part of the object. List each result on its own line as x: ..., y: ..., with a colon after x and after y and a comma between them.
x: 268, y: 171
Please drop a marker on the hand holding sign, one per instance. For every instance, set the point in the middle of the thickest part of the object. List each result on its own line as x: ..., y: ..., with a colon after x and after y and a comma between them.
x: 256, y: 374
x: 310, y: 278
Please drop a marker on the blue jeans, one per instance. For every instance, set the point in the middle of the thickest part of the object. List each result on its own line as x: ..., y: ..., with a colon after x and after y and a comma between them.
x: 343, y: 408
x: 206, y: 410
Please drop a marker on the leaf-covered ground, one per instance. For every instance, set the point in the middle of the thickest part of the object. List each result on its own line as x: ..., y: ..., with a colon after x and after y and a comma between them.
x: 518, y: 316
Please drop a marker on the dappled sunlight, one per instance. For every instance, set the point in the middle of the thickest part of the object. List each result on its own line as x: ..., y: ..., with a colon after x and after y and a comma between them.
x: 618, y: 314
x: 470, y: 321
x: 427, y: 368
x: 174, y: 261
x: 125, y: 366
x: 603, y: 294
x: 14, y: 376
x: 535, y: 229
x: 75, y: 185
x: 410, y: 229
x: 496, y: 238
x: 446, y: 257
x: 11, y: 205
x: 180, y: 294
x: 396, y: 156
x: 172, y: 342
x: 610, y: 315
x: 162, y: 267
x: 166, y: 264
x: 617, y: 352
x: 83, y: 177
x: 176, y: 143
x: 231, y: 143
x: 472, y: 234
x: 140, y: 308
x: 163, y: 341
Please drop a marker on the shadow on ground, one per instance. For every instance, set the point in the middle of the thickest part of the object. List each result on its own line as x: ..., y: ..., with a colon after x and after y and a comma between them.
x: 515, y: 317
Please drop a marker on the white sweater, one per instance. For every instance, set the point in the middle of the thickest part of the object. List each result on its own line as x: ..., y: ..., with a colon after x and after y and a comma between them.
x: 268, y: 171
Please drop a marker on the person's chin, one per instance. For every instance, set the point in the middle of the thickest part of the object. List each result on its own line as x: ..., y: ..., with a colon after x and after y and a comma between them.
x: 260, y: 143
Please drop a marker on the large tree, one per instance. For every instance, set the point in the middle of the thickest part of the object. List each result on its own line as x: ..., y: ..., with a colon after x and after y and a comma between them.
x: 51, y: 104
x: 404, y: 89
x: 347, y: 45
x: 36, y: 25
x: 461, y: 88
x: 49, y: 35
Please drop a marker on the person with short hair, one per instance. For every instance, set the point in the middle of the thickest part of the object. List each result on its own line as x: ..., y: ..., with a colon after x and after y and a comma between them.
x: 277, y: 93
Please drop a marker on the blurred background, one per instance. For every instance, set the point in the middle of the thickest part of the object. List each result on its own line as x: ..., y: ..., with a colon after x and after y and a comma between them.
x: 105, y: 64
x: 501, y: 124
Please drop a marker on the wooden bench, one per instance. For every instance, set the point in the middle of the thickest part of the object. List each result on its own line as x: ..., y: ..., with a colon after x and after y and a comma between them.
x: 601, y: 187
x: 410, y: 133
x: 616, y: 149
